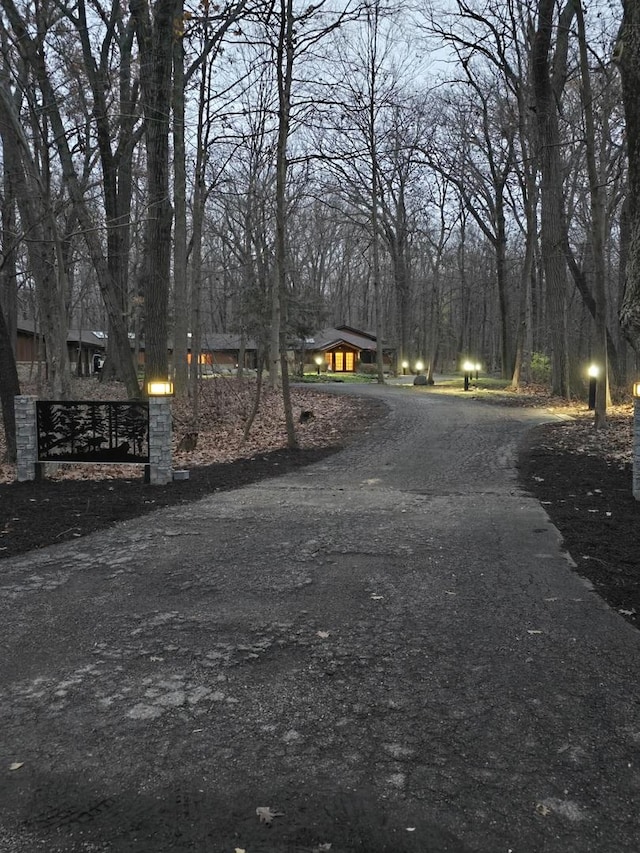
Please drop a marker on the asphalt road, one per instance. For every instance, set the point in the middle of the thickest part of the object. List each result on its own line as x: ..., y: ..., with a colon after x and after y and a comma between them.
x: 388, y: 650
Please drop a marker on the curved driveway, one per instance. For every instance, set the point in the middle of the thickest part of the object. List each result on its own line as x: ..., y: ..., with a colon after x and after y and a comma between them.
x: 388, y: 647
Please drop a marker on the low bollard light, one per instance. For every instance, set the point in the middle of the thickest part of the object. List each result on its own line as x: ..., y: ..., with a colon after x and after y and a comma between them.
x: 468, y: 370
x: 594, y: 372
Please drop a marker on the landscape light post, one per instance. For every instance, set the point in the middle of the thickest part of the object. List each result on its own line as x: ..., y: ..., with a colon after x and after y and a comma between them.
x: 160, y: 388
x: 593, y: 372
x: 405, y: 365
x: 468, y: 370
x: 478, y: 368
x: 636, y: 441
x: 318, y: 361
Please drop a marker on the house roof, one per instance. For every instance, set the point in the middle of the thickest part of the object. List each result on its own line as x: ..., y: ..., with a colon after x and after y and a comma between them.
x: 358, y: 332
x: 94, y: 339
x: 212, y: 341
x: 327, y: 339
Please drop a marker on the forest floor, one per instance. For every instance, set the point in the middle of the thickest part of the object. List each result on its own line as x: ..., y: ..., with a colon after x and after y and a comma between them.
x: 583, y: 477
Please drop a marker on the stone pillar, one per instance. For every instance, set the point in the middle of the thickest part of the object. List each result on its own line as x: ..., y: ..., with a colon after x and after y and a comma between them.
x: 636, y: 448
x: 160, y: 472
x: 26, y: 438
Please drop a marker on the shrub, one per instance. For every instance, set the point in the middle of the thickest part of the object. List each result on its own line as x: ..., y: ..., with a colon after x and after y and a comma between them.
x: 540, y: 368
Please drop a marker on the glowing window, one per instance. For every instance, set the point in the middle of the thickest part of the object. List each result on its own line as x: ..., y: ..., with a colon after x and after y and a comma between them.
x: 348, y: 362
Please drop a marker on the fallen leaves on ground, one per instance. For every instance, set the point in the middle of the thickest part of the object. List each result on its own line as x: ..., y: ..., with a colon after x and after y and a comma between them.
x: 267, y: 814
x: 614, y: 443
x: 225, y: 404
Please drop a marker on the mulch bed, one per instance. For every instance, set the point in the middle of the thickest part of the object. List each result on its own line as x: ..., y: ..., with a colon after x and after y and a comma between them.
x: 34, y: 515
x: 589, y: 499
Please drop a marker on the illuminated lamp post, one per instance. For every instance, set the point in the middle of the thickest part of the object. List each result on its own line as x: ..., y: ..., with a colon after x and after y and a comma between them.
x: 160, y: 388
x: 478, y: 369
x: 636, y: 441
x: 593, y: 372
x: 318, y: 361
x: 468, y: 370
x: 405, y: 366
x: 420, y: 378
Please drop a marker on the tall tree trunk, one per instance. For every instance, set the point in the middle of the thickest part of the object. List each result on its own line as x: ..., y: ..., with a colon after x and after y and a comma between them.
x: 196, y: 287
x: 627, y: 55
x: 621, y: 343
x: 548, y: 91
x: 155, y: 38
x: 9, y: 388
x: 501, y: 277
x: 528, y: 154
x: 373, y: 17
x: 8, y: 270
x: 395, y: 228
x: 285, y: 56
x: 597, y: 230
x: 180, y: 290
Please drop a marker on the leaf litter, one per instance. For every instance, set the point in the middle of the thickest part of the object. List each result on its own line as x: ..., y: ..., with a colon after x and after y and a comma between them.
x: 218, y: 433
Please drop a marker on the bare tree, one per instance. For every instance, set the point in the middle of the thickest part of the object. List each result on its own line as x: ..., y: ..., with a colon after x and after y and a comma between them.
x: 627, y: 55
x: 597, y: 226
x: 118, y: 132
x: 34, y: 58
x: 33, y: 198
x: 155, y: 33
x: 549, y: 64
x: 204, y: 34
x: 371, y: 156
x: 479, y: 159
x: 284, y: 58
x: 400, y: 167
x: 9, y: 388
x: 180, y: 287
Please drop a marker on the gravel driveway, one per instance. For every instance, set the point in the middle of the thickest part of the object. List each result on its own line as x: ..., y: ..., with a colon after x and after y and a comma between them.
x: 384, y: 652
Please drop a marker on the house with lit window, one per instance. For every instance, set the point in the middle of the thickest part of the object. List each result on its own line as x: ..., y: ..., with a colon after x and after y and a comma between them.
x: 343, y: 349
x: 225, y: 351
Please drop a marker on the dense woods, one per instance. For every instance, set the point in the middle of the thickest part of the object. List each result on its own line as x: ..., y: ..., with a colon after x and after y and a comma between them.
x: 452, y: 177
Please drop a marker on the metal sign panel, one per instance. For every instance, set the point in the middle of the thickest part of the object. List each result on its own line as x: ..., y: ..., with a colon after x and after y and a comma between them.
x: 92, y: 431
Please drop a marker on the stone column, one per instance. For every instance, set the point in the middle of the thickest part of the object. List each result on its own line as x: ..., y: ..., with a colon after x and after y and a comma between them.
x: 160, y: 472
x: 26, y: 438
x: 636, y: 448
